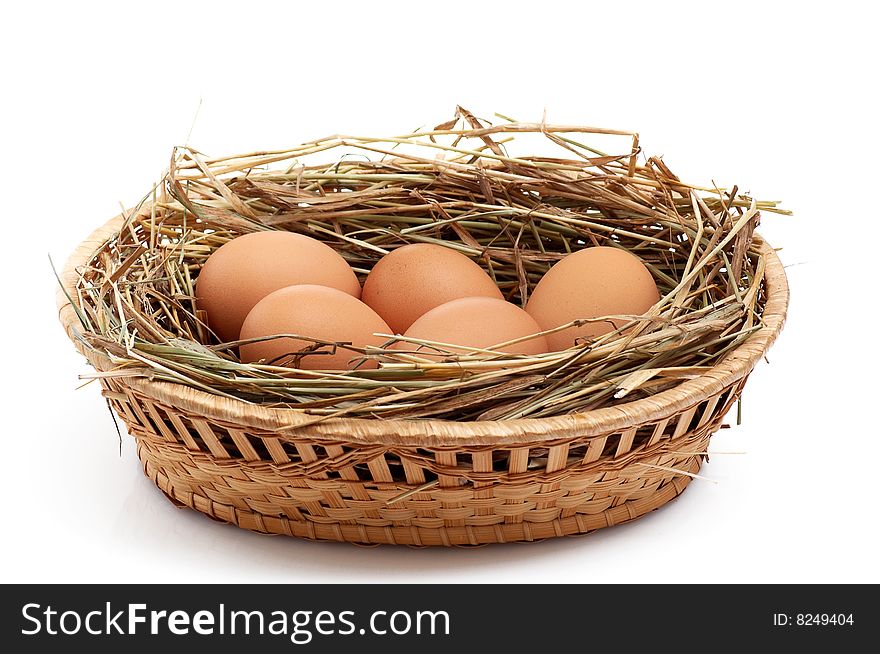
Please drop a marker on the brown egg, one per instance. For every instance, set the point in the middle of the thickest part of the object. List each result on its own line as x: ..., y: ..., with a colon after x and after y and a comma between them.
x: 476, y: 322
x: 413, y: 279
x: 316, y: 311
x: 590, y: 283
x: 246, y: 269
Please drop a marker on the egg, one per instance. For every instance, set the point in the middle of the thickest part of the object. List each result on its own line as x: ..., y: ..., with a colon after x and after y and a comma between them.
x: 590, y: 283
x: 411, y: 280
x: 244, y: 270
x: 319, y: 312
x: 478, y: 322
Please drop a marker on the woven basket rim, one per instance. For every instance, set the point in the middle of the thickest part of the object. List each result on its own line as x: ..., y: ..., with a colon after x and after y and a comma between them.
x: 736, y: 365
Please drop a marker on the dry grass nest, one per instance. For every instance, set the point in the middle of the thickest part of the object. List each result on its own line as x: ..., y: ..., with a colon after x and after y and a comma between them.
x: 462, y: 185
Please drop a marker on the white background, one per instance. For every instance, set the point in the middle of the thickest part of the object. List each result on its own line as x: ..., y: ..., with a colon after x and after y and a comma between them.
x: 775, y: 97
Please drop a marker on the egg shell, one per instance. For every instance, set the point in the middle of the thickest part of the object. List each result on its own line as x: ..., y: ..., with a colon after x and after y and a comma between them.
x: 478, y: 322
x: 246, y: 269
x: 590, y: 283
x: 413, y: 279
x: 319, y: 312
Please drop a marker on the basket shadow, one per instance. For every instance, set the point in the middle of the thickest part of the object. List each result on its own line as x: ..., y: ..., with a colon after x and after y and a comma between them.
x: 248, y: 554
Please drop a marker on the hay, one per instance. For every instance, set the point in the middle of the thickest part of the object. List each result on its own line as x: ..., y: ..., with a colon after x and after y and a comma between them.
x: 459, y: 186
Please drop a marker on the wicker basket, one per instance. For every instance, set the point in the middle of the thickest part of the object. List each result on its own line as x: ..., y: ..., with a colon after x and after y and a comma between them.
x: 423, y: 482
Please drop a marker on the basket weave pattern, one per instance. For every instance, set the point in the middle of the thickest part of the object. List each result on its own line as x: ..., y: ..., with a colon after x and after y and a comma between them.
x: 333, y: 490
x: 423, y: 482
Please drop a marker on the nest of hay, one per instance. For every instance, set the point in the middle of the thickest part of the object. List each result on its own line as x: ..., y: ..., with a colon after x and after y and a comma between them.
x: 468, y: 185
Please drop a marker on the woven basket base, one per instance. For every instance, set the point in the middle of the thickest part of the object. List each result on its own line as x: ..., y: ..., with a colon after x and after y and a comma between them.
x: 343, y: 490
x: 420, y: 536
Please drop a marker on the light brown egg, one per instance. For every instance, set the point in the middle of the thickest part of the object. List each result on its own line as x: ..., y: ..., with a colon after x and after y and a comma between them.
x: 413, y: 279
x: 319, y: 312
x: 246, y: 269
x: 590, y: 283
x: 476, y: 322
